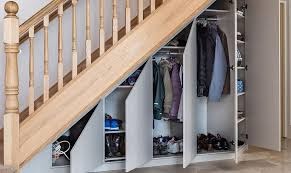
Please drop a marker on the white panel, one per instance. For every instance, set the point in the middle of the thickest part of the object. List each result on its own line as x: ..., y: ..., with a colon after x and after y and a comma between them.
x: 189, y: 95
x: 88, y: 151
x: 263, y: 75
x: 139, y: 120
x: 42, y: 162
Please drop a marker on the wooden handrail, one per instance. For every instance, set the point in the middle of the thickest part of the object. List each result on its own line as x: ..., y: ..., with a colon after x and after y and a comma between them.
x: 36, y: 20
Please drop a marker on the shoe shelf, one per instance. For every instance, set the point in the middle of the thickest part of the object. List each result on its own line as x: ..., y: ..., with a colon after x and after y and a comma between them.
x: 215, y: 151
x: 113, y: 159
x: 168, y: 155
x: 114, y: 131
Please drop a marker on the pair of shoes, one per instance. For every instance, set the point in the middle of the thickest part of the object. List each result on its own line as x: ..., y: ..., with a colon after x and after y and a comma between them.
x: 211, y: 142
x: 175, y: 146
x: 165, y: 145
x: 221, y: 143
x: 112, y: 124
x: 114, y: 145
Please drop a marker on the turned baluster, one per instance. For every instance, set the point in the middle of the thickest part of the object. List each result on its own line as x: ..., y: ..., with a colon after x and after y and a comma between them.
x: 127, y: 17
x: 140, y: 11
x: 11, y: 116
x: 88, y: 34
x: 31, y: 70
x: 114, y: 22
x: 101, y: 30
x: 74, y: 40
x: 153, y: 5
x: 46, y: 59
x: 60, y: 47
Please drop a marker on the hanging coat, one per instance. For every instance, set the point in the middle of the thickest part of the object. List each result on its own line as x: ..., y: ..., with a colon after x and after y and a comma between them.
x: 219, y: 72
x: 206, y: 40
x: 177, y: 90
x: 222, y: 35
x: 159, y: 92
x: 166, y: 67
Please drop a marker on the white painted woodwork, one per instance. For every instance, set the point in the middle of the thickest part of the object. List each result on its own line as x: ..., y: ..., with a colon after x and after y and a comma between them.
x: 189, y: 94
x: 31, y: 70
x: 46, y: 59
x: 263, y: 75
x: 60, y: 47
x: 74, y: 40
x: 103, y: 74
x: 139, y: 120
x: 88, y: 152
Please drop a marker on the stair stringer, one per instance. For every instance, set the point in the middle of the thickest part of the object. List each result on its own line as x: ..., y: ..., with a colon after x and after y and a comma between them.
x: 82, y: 93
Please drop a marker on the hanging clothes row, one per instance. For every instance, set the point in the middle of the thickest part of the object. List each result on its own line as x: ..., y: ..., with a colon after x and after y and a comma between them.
x: 213, y: 72
x: 168, y: 88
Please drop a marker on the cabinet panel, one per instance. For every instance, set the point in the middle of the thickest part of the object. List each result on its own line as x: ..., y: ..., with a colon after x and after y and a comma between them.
x: 263, y: 75
x: 88, y: 151
x: 139, y: 120
x: 190, y: 99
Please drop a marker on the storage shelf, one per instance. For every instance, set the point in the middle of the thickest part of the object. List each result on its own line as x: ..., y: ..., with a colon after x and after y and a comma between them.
x: 168, y: 155
x: 114, y: 159
x: 213, y: 12
x: 124, y: 86
x: 241, y: 68
x: 174, y: 47
x: 239, y: 120
x: 114, y: 131
x: 241, y: 94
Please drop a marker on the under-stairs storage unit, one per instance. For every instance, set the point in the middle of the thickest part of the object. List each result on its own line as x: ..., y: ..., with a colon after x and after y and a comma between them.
x: 244, y: 116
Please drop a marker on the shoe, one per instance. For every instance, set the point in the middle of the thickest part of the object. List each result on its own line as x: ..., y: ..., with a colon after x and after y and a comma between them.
x: 173, y: 147
x: 108, y: 151
x: 115, y: 124
x: 107, y: 122
x: 180, y: 142
x: 156, y: 146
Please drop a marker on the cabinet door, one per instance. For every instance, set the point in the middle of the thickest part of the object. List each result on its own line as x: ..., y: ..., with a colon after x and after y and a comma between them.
x: 88, y: 152
x: 139, y: 120
x: 190, y: 98
x: 263, y: 75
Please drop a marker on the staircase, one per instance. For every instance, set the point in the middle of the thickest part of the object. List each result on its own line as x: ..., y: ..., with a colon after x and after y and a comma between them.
x: 48, y: 116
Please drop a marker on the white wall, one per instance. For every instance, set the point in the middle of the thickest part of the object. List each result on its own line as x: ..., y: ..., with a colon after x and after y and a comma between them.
x: 27, y: 9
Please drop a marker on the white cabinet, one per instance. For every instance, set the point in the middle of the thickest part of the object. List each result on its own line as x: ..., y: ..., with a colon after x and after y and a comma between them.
x: 139, y: 120
x: 260, y: 102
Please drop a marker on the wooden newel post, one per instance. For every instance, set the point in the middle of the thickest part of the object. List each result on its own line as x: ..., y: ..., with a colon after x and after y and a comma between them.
x: 11, y: 117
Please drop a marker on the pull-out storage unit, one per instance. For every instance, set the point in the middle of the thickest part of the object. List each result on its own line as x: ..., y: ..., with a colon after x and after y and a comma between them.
x: 245, y: 116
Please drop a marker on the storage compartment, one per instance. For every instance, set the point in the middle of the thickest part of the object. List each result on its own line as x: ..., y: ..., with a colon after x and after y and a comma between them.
x: 62, y: 147
x: 215, y: 126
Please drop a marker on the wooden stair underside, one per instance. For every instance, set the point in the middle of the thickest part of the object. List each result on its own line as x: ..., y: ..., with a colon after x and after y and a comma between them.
x: 81, y: 94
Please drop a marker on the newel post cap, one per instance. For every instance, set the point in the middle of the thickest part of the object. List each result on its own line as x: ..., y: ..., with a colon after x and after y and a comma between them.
x: 11, y: 8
